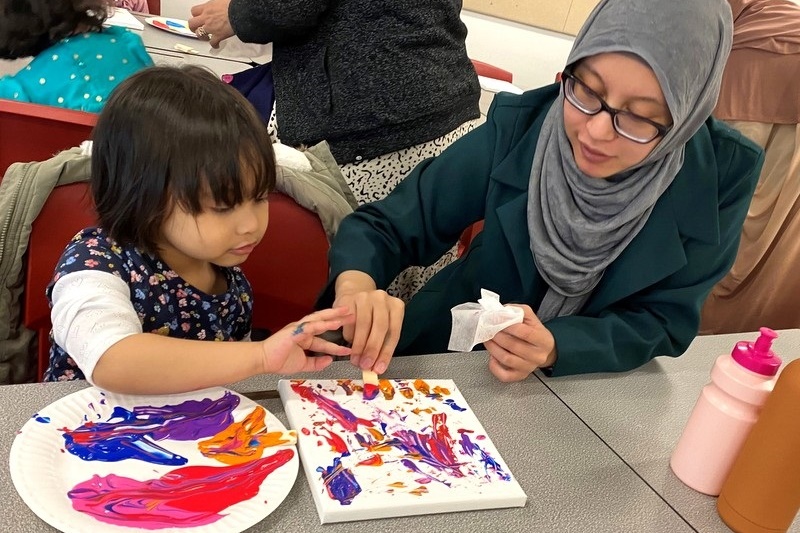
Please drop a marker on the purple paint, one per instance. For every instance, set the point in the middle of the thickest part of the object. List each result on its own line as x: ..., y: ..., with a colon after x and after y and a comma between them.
x: 426, y: 478
x: 340, y: 482
x: 130, y: 434
x: 452, y: 403
x: 489, y: 462
x: 347, y: 419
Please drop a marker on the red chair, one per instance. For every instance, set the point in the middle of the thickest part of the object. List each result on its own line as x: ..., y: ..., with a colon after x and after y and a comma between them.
x: 50, y: 233
x: 287, y: 270
x: 33, y: 132
x: 490, y: 71
x: 289, y: 267
x: 466, y: 237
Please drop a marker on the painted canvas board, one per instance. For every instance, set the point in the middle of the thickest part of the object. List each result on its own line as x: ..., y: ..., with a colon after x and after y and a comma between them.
x: 416, y: 448
x: 210, y: 461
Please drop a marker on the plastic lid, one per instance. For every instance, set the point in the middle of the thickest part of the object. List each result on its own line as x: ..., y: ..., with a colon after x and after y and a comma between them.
x: 757, y: 356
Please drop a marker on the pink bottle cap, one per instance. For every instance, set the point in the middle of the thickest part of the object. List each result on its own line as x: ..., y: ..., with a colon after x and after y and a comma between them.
x: 757, y: 356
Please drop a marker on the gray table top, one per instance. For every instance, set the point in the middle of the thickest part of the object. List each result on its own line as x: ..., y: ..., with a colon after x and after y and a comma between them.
x: 641, y: 415
x: 231, y: 49
x: 573, y: 480
x: 177, y: 59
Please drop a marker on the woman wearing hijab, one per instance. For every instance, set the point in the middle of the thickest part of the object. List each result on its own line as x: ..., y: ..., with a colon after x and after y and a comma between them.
x: 760, y: 97
x: 612, y: 204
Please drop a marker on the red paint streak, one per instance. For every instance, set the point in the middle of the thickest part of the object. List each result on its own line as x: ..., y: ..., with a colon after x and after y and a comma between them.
x: 375, y: 460
x: 370, y: 391
x: 338, y: 444
x: 185, y: 497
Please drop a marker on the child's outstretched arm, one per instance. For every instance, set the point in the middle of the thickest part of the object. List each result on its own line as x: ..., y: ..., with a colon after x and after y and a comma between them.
x: 147, y: 363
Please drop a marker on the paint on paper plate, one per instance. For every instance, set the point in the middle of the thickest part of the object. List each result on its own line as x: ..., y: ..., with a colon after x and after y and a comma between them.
x: 416, y: 448
x: 208, y: 461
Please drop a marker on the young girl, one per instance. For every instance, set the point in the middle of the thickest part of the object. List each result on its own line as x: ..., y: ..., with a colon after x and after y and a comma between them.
x: 78, y: 62
x: 181, y: 168
x: 612, y: 204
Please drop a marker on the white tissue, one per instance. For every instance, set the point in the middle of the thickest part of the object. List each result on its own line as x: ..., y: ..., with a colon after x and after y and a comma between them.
x: 475, y: 323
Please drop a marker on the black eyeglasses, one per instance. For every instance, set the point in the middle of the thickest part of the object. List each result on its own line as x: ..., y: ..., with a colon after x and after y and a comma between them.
x: 630, y: 125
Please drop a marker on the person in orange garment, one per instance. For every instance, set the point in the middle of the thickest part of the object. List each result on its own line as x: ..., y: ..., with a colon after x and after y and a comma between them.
x: 760, y: 97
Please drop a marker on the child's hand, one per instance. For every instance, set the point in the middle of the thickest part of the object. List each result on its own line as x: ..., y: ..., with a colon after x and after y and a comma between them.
x: 285, y: 351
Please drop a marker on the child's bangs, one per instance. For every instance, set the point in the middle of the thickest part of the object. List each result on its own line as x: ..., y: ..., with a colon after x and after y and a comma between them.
x: 227, y: 173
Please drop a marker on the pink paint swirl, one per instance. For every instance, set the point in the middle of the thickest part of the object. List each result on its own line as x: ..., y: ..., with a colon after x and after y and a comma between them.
x: 185, y: 497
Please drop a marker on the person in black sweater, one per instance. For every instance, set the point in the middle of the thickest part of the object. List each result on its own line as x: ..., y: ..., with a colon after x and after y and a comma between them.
x: 386, y: 84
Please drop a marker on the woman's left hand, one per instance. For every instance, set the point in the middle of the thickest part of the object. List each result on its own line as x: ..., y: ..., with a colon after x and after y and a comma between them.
x: 520, y: 349
x: 212, y: 17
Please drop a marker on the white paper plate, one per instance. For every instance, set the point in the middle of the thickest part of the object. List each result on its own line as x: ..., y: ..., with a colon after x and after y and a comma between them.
x: 178, y: 26
x: 44, y: 472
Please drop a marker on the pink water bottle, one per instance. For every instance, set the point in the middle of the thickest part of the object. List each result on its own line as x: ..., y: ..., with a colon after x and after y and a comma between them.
x: 725, y: 412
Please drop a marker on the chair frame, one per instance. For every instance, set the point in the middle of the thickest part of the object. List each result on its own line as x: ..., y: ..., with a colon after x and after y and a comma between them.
x: 34, y: 132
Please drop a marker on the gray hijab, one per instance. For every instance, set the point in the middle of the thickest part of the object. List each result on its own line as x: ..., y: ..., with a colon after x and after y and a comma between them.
x: 578, y: 225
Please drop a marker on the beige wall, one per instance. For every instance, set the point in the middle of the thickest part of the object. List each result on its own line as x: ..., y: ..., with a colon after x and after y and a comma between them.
x: 564, y: 16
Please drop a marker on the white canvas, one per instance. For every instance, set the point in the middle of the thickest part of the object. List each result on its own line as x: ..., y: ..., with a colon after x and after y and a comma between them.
x: 417, y: 448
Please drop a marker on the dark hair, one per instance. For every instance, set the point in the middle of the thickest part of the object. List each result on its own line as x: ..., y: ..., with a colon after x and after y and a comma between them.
x: 28, y: 27
x: 170, y: 136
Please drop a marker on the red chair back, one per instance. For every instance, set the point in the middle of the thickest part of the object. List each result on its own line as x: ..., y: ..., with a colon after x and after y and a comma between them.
x: 289, y: 267
x: 50, y: 233
x: 490, y: 71
x: 33, y: 132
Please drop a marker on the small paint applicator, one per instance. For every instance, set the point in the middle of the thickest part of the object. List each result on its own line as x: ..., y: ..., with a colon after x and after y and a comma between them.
x: 370, y: 384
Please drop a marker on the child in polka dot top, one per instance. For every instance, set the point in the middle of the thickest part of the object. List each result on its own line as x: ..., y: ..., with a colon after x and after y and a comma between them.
x: 181, y: 168
x: 77, y: 61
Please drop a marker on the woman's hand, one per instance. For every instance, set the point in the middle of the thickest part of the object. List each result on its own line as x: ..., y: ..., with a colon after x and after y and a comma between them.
x: 378, y: 320
x: 285, y: 351
x: 520, y: 349
x: 212, y: 17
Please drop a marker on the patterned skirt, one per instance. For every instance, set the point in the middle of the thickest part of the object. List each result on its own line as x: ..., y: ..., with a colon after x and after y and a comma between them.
x: 373, y: 179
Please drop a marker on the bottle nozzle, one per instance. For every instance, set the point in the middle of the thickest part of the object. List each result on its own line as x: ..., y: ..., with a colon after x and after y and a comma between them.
x: 763, y: 343
x: 758, y: 356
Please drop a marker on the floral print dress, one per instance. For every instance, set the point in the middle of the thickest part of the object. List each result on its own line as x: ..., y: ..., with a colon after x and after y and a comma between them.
x: 163, y: 301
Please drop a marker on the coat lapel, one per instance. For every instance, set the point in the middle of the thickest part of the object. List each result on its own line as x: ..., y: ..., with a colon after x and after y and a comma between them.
x: 509, y: 191
x: 688, y: 209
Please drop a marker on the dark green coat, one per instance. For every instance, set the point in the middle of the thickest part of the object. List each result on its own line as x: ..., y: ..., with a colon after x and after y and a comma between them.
x: 648, y: 301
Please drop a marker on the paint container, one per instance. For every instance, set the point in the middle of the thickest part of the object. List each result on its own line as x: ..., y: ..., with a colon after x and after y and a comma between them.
x: 762, y: 491
x: 725, y: 413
